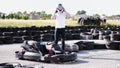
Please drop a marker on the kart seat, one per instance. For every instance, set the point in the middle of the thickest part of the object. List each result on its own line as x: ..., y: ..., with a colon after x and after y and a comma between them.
x: 42, y: 48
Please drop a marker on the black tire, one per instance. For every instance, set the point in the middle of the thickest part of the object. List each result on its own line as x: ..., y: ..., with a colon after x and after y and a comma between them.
x: 79, y: 45
x: 19, y: 55
x: 68, y: 36
x: 76, y: 36
x: 55, y: 59
x: 47, y: 37
x: 36, y: 38
x: 112, y: 45
x: 6, y: 65
x: 99, y: 46
x: 88, y: 45
x: 8, y: 39
x: 17, y: 39
x: 47, y: 58
x: 26, y: 38
x: 85, y: 45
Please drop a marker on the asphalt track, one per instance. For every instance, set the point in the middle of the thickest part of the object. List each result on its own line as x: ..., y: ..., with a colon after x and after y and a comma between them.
x: 101, y: 58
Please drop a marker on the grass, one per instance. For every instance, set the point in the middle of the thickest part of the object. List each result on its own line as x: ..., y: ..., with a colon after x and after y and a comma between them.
x: 28, y: 23
x: 39, y: 23
x: 113, y: 22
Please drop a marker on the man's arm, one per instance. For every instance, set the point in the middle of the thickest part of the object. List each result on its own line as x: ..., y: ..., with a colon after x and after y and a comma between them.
x: 53, y: 16
x: 67, y: 14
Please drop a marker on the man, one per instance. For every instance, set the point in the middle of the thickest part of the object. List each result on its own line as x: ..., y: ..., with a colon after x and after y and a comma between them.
x: 60, y: 16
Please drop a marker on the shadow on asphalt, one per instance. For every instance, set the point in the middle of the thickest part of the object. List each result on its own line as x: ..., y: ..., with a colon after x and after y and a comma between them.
x: 73, y: 62
x: 106, y: 59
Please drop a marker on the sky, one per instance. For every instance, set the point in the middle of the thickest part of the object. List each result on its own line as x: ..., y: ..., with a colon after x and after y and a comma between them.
x: 107, y: 7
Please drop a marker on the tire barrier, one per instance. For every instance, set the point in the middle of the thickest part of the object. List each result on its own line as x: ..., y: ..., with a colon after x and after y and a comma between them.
x: 115, y: 37
x: 68, y: 36
x: 34, y: 33
x: 12, y: 65
x: 88, y: 45
x: 7, y: 33
x: 7, y: 40
x: 85, y: 45
x: 106, y: 38
x: 21, y: 33
x: 18, y: 39
x: 72, y: 33
x: 45, y: 31
x: 36, y: 38
x: 51, y: 31
x: 79, y: 45
x: 86, y: 36
x: 27, y: 33
x: 47, y: 37
x: 26, y: 38
x: 1, y: 33
x: 96, y: 36
x: 107, y: 32
x: 100, y: 35
x: 119, y: 47
x: 76, y: 37
x: 113, y: 45
x: 71, y: 47
x: 99, y: 46
x: 6, y: 65
x: 117, y: 32
x: 15, y: 34
x: 75, y: 31
x: 1, y: 40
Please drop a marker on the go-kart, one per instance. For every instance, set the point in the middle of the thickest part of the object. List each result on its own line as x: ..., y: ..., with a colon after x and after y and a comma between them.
x: 32, y: 50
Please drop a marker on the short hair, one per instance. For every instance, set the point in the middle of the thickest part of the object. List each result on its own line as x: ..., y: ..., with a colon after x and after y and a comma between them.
x: 60, y: 7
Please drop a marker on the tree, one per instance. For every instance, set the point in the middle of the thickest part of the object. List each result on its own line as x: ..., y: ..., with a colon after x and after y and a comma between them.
x: 18, y: 13
x: 81, y: 12
x: 96, y: 15
x: 25, y: 15
x: 39, y: 13
x: 43, y: 15
x: 10, y: 16
x: 25, y: 12
x: 3, y: 16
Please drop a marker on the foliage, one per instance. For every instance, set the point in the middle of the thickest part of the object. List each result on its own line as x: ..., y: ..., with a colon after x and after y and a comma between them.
x: 81, y: 12
x: 45, y: 16
x: 115, y: 17
x: 24, y: 15
x: 96, y: 15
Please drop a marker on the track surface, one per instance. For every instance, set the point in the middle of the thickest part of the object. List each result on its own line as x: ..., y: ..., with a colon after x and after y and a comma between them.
x: 86, y: 58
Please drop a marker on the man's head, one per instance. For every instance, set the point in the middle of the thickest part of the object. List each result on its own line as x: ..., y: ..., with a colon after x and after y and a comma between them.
x: 60, y: 8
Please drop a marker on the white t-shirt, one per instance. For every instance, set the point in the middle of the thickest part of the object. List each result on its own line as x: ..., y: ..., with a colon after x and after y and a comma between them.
x: 60, y: 20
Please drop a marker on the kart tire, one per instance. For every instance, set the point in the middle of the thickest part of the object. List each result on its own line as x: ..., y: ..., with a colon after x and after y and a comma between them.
x: 47, y: 58
x: 112, y: 45
x: 60, y: 58
x: 19, y: 55
x: 6, y: 65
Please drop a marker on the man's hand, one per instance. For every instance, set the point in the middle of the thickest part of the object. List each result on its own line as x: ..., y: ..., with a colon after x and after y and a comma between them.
x: 54, y: 16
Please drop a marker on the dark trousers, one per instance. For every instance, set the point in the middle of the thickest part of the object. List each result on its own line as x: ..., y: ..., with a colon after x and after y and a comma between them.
x: 60, y: 34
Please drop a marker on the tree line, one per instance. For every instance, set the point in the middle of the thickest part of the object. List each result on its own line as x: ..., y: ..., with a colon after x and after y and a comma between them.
x: 43, y: 15
x: 24, y: 15
x: 113, y: 17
